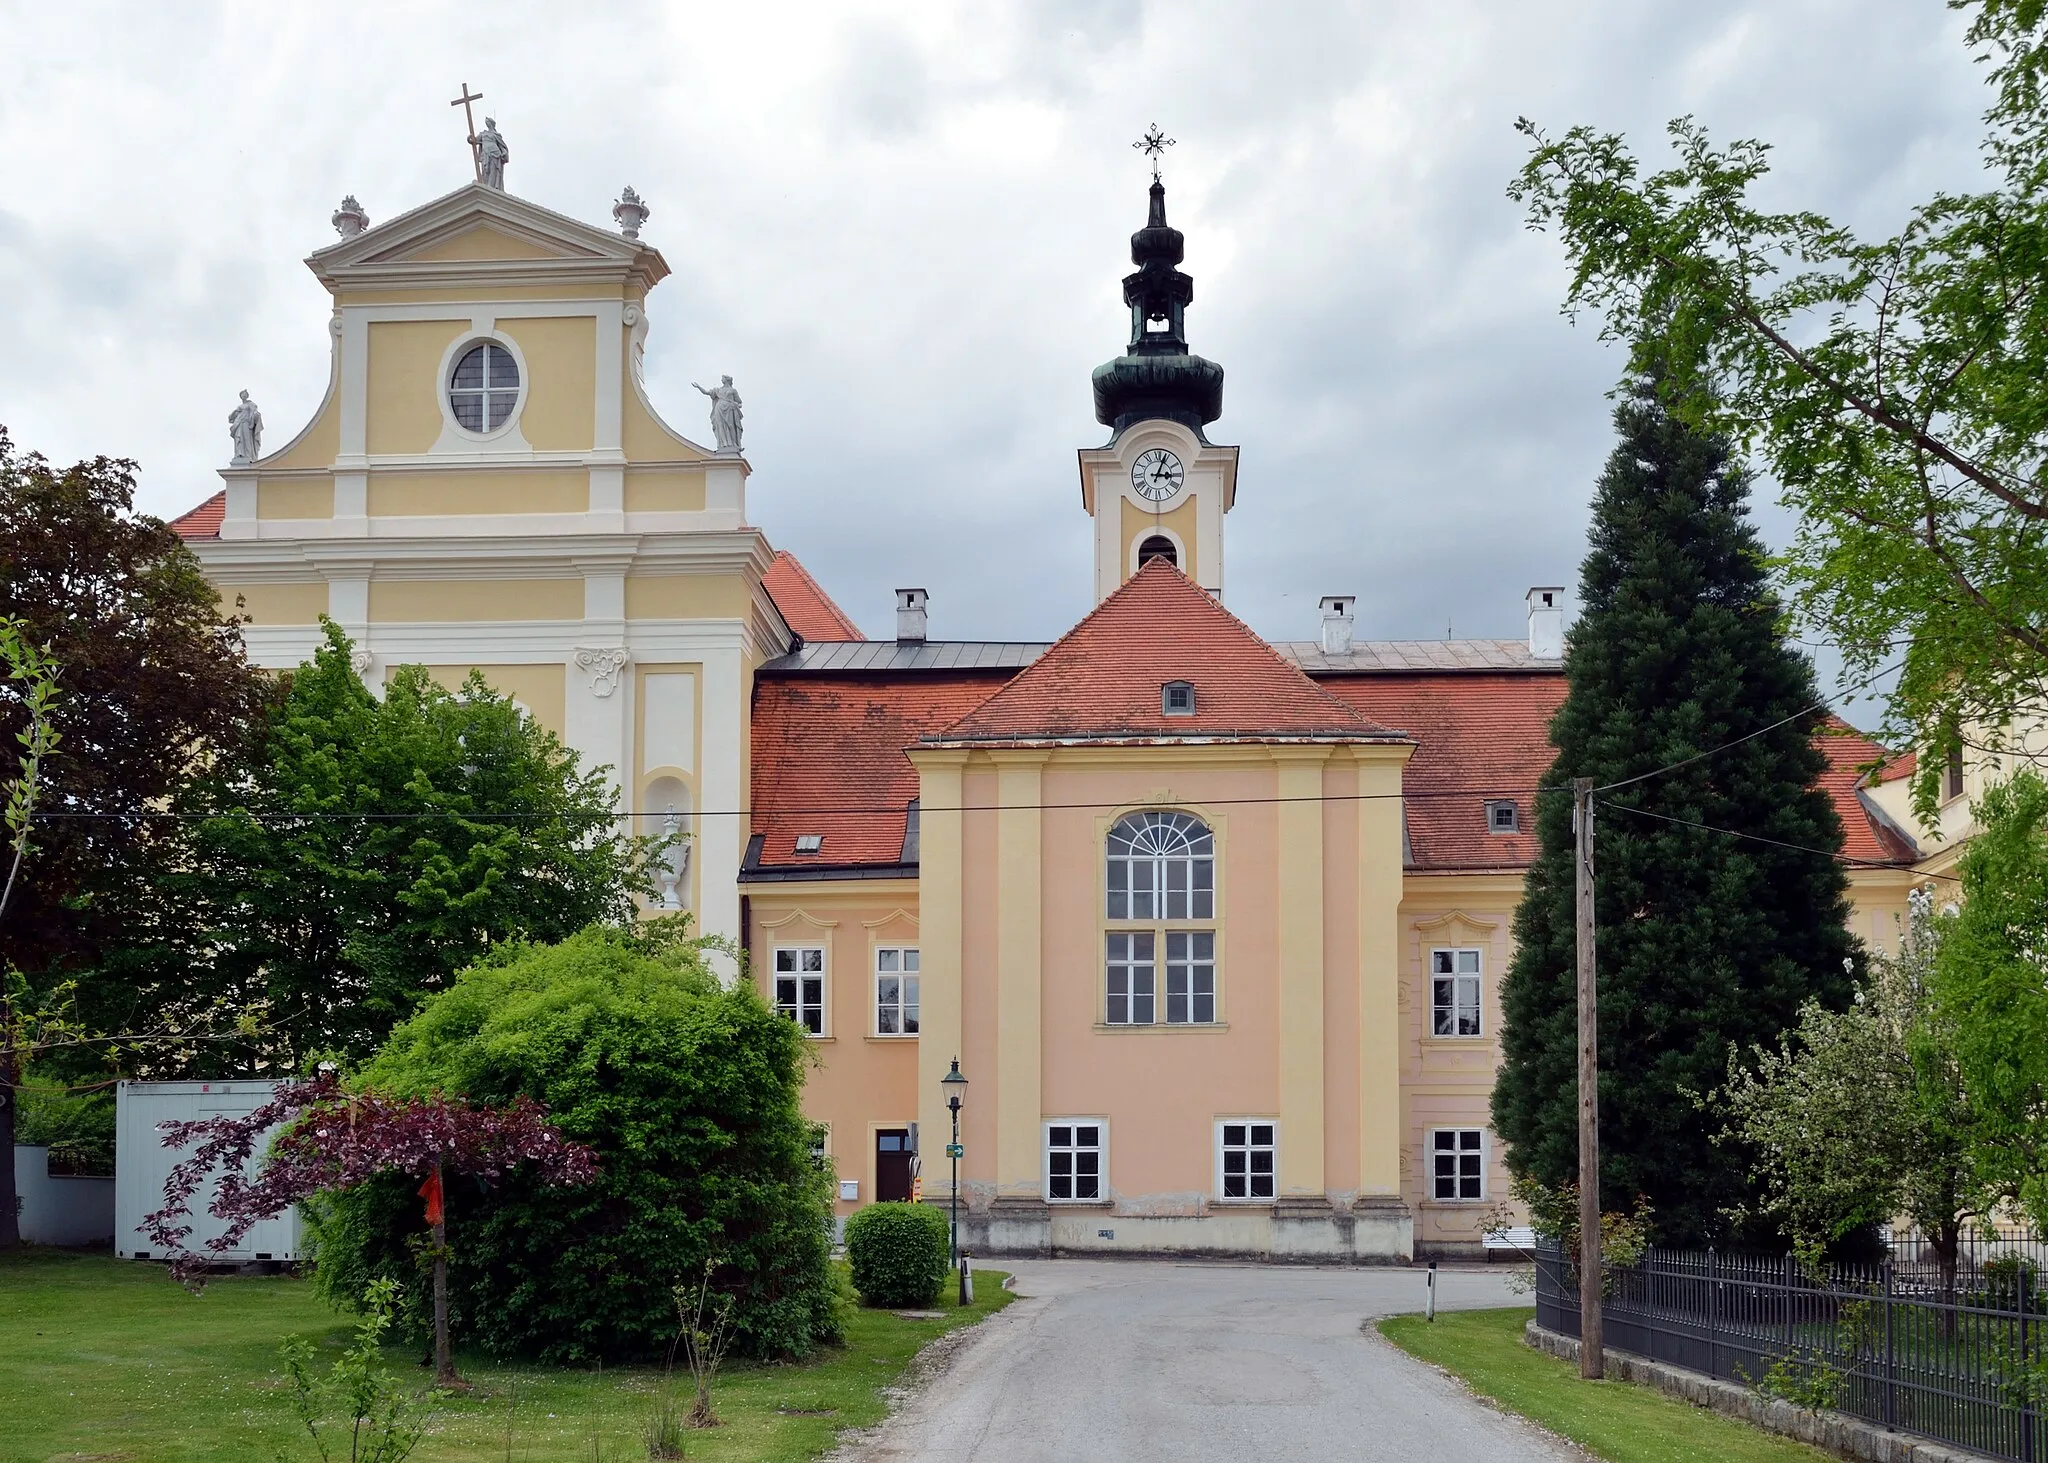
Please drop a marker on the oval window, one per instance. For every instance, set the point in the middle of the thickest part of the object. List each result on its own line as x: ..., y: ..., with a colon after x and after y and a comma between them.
x: 484, y: 388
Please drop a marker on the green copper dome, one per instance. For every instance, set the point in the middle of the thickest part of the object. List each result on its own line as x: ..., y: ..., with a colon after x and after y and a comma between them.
x: 1158, y: 377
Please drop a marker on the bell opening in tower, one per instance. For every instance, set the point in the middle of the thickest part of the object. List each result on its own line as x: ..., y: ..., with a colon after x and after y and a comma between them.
x: 1158, y: 547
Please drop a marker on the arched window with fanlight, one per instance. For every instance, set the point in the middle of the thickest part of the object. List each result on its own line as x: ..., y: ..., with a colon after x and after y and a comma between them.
x: 1161, y: 910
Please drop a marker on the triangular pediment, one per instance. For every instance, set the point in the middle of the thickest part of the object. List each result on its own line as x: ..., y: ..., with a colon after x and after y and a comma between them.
x: 487, y: 233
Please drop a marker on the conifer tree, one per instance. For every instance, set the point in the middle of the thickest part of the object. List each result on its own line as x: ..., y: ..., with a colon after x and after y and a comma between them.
x: 1704, y: 939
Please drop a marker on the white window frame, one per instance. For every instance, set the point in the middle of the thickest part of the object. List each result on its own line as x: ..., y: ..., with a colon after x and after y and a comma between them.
x: 1248, y: 1147
x: 908, y: 966
x: 454, y: 357
x: 1483, y: 1153
x: 797, y: 972
x: 1100, y: 1148
x: 1458, y: 978
x: 1514, y: 811
x: 1125, y: 969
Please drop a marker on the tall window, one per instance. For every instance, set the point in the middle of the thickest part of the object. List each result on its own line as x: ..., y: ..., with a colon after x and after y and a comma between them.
x: 1161, y: 872
x: 1454, y: 992
x: 484, y: 388
x: 1245, y: 1153
x: 896, y: 991
x: 800, y: 985
x: 1457, y: 1164
x: 1073, y: 1161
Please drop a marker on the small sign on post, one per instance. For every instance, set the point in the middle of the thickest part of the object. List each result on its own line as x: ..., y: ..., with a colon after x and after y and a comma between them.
x: 956, y: 1150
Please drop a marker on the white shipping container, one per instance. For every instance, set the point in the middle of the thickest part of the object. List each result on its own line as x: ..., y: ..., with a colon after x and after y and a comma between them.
x: 142, y: 1164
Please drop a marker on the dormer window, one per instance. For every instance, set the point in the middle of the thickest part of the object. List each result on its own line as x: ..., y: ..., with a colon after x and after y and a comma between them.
x: 1502, y: 816
x: 1177, y: 698
x: 809, y: 842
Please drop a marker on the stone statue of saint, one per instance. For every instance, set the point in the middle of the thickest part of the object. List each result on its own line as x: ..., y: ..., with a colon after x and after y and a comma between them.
x: 725, y: 414
x: 245, y: 426
x: 492, y: 154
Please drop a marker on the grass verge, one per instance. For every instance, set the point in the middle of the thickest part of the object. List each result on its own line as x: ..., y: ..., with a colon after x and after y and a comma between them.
x: 108, y: 1359
x: 1618, y: 1421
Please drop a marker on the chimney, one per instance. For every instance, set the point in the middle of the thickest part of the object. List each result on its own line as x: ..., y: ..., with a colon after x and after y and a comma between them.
x: 910, y: 615
x: 1337, y: 623
x: 1546, y: 622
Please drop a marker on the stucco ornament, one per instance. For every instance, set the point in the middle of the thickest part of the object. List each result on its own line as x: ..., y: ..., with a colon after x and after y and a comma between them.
x: 605, y: 664
x: 492, y: 155
x: 630, y: 212
x: 725, y: 414
x: 360, y: 660
x: 349, y: 219
x: 245, y: 428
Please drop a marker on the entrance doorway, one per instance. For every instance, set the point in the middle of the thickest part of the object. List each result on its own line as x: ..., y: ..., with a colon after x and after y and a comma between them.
x: 892, y: 1165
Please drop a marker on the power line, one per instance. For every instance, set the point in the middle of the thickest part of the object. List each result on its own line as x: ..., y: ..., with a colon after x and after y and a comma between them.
x: 1844, y: 858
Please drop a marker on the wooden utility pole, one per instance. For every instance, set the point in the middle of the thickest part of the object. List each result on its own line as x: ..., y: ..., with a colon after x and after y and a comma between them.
x: 1592, y: 1355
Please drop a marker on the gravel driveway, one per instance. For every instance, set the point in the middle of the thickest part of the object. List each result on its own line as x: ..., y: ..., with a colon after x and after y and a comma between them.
x: 1131, y: 1361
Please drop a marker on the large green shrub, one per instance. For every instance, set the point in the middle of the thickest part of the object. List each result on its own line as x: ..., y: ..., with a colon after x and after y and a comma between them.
x: 898, y: 1253
x: 689, y: 1093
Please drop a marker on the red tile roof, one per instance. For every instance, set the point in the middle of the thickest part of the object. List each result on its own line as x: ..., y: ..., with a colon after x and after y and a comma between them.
x: 1870, y: 836
x: 1478, y: 736
x: 203, y: 521
x: 829, y: 742
x: 1103, y: 679
x: 805, y: 606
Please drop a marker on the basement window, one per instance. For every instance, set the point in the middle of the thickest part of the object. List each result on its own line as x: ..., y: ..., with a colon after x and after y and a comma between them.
x: 809, y: 842
x: 1502, y: 816
x: 1177, y: 698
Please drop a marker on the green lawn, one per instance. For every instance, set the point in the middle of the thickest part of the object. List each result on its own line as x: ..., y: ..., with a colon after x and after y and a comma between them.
x: 108, y: 1359
x: 1614, y: 1420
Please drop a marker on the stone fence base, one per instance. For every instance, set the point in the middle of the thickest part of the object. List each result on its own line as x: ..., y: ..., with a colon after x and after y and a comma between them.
x: 1848, y: 1437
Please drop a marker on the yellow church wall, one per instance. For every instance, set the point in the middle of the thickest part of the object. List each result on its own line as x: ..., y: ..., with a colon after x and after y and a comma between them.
x: 276, y: 604
x: 401, y: 494
x: 661, y: 490
x: 560, y: 414
x: 403, y: 405
x: 442, y: 601
x: 482, y: 242
x: 863, y: 1081
x: 541, y: 689
x: 980, y: 951
x: 316, y: 445
x: 295, y: 497
x: 1343, y: 1135
x: 687, y: 597
x: 1878, y: 905
x: 481, y: 294
x: 641, y: 435
x: 1138, y: 524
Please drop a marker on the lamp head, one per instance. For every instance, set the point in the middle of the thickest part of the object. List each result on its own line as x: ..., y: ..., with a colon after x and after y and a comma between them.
x: 955, y: 1085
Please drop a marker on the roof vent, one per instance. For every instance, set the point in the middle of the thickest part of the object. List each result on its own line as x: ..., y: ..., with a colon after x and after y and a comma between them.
x: 1337, y: 623
x: 910, y: 616
x: 809, y: 842
x: 1546, y: 622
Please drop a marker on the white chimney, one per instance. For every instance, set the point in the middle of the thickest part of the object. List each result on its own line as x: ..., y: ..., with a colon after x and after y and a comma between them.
x: 1337, y: 623
x: 910, y: 615
x: 1546, y: 622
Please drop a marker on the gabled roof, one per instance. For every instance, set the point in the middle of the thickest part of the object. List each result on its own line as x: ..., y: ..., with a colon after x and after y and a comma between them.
x: 1102, y: 680
x: 1870, y: 836
x: 870, y: 657
x: 805, y: 606
x: 203, y: 521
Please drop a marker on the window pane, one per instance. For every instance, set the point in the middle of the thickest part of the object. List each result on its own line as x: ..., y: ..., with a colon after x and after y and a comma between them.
x: 500, y: 370
x: 1444, y: 1138
x: 1262, y: 1134
x: 469, y: 371
x: 502, y: 403
x: 885, y: 1021
x: 1469, y: 1138
x: 909, y: 1004
x: 469, y: 412
x: 1061, y: 1137
x: 1141, y: 946
x: 814, y: 959
x: 814, y: 990
x: 1441, y: 1001
x: 785, y: 960
x: 1233, y: 1133
x: 785, y: 992
x: 1468, y: 1006
x: 1468, y: 962
x: 1119, y: 1008
x: 885, y: 960
x: 1090, y: 1137
x: 1176, y: 1000
x: 1440, y: 961
x: 910, y: 963
x: 887, y: 991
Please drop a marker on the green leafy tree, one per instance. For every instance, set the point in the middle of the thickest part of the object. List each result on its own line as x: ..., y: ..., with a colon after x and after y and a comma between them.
x: 688, y: 1092
x: 1897, y: 388
x: 1855, y: 1117
x: 1991, y: 983
x: 366, y: 850
x: 1706, y: 939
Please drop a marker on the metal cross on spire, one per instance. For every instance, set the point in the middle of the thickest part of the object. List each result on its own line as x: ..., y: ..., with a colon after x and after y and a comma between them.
x: 476, y: 155
x: 1154, y: 144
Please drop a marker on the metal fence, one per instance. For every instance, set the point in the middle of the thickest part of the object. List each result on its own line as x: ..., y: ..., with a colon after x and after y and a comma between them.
x: 1957, y: 1357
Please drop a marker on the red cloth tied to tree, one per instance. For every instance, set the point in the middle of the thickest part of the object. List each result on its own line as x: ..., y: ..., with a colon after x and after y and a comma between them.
x: 431, y: 1192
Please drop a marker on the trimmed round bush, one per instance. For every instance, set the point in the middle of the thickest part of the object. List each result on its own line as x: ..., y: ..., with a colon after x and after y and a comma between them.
x: 689, y: 1093
x: 898, y: 1253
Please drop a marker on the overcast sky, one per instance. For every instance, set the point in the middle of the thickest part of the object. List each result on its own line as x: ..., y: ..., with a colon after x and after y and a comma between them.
x: 900, y: 227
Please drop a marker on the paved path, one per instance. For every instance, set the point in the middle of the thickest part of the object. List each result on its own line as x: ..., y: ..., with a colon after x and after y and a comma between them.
x: 1132, y: 1361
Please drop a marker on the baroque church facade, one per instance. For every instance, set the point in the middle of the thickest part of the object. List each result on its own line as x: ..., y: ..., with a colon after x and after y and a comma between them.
x: 1212, y: 925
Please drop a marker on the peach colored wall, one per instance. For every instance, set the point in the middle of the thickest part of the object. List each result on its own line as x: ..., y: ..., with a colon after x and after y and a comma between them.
x: 859, y: 1081
x: 977, y: 989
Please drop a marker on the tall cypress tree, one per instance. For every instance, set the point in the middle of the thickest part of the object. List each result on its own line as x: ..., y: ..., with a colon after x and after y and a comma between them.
x: 1704, y: 939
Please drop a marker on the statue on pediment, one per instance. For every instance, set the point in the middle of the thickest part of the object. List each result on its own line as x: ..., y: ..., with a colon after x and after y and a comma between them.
x: 491, y: 155
x: 245, y: 427
x: 725, y: 414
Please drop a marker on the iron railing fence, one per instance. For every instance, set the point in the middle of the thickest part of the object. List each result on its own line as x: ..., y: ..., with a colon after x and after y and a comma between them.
x: 1891, y: 1343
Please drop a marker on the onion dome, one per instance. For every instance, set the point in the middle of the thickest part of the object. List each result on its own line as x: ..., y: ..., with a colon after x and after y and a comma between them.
x: 1158, y: 377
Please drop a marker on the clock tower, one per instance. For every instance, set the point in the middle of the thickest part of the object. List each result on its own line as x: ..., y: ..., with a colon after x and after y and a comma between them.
x: 1159, y: 487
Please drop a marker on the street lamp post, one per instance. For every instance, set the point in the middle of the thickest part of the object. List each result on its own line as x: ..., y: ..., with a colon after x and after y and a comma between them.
x: 956, y: 1089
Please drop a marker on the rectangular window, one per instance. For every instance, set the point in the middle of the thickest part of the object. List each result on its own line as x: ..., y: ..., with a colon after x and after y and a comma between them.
x: 1952, y: 773
x: 896, y: 991
x: 800, y: 985
x: 1457, y: 1164
x: 1073, y: 1161
x: 1191, y: 976
x: 1245, y: 1159
x: 1454, y: 992
x: 1132, y: 970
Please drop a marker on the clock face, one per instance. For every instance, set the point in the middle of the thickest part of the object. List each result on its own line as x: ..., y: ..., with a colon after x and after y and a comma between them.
x: 1157, y: 474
